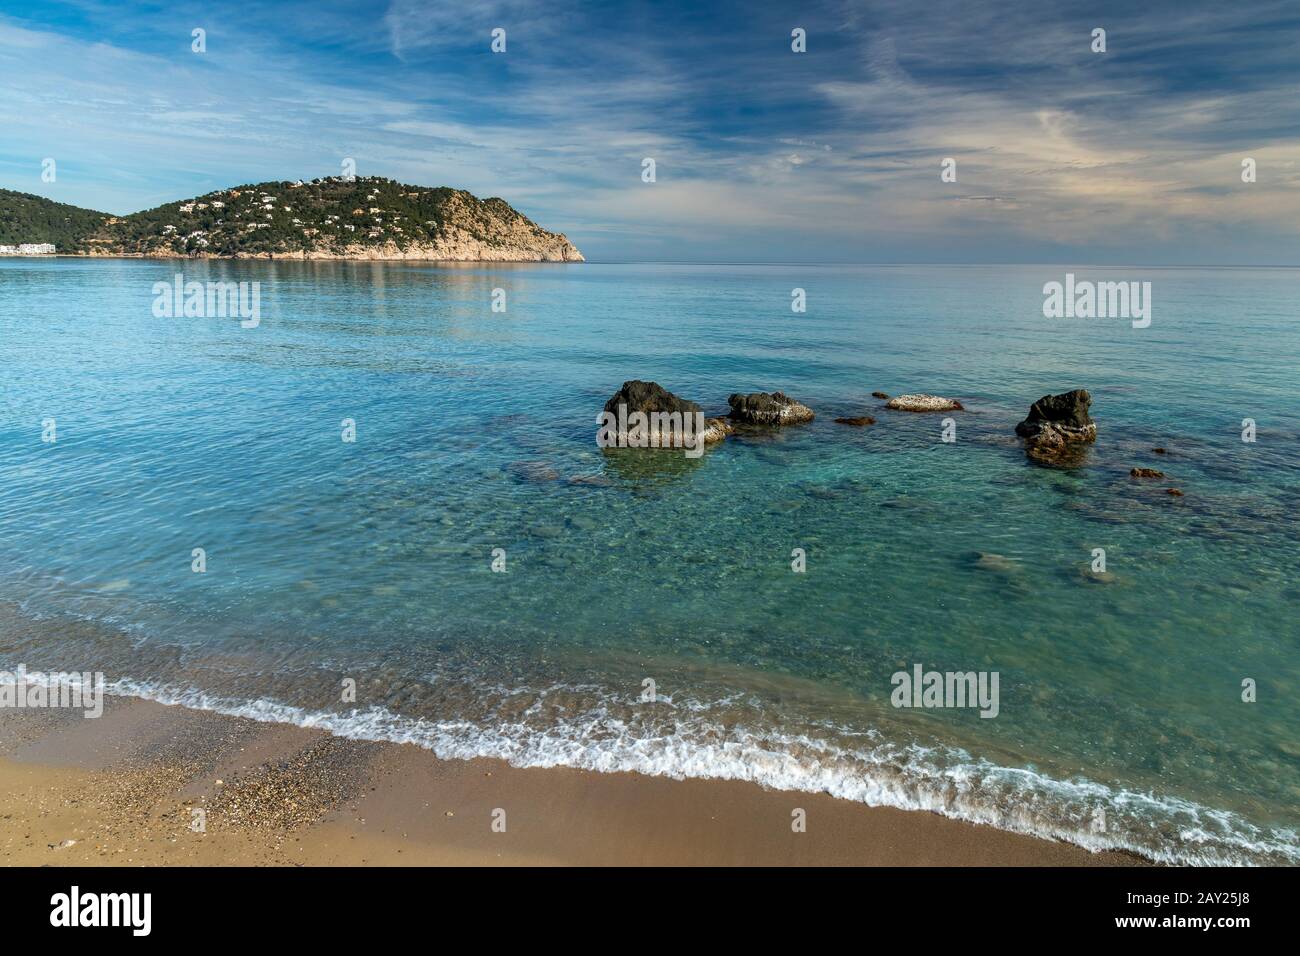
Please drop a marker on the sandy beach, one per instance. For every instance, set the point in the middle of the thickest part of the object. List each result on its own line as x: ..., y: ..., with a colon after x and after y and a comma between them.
x: 126, y: 789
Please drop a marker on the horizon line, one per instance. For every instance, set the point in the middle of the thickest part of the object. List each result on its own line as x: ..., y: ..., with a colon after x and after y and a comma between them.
x: 669, y: 262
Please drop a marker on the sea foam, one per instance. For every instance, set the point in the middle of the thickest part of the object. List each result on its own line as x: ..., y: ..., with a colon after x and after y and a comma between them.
x: 942, y: 780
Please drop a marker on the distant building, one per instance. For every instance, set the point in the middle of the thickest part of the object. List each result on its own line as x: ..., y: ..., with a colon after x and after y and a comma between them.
x: 28, y: 249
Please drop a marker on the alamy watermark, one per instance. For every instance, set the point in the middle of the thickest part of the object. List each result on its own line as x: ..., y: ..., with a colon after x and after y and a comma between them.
x: 74, y: 691
x: 922, y: 688
x: 75, y: 908
x: 1098, y: 300
x: 208, y: 300
x: 652, y: 430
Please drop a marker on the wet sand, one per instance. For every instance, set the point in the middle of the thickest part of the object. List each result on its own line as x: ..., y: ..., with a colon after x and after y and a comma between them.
x: 131, y: 788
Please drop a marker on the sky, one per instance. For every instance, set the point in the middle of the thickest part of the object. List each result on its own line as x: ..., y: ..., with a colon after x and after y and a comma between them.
x: 1132, y: 156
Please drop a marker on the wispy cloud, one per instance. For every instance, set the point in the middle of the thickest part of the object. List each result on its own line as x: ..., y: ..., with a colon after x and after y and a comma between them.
x: 1131, y: 155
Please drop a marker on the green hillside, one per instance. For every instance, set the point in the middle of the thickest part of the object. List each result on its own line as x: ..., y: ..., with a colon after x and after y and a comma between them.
x: 329, y: 217
x: 28, y: 218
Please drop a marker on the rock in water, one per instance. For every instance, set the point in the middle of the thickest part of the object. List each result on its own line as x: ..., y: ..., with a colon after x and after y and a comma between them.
x: 863, y: 420
x: 1068, y: 410
x: 761, y: 408
x: 879, y: 395
x: 648, y: 397
x: 1145, y: 473
x: 1006, y: 571
x: 1057, y: 425
x: 924, y: 403
x: 716, y: 429
x: 595, y: 481
x: 538, y: 471
x: 1000, y: 563
x: 657, y: 404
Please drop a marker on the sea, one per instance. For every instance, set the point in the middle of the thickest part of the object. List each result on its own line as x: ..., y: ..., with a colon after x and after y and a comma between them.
x: 380, y: 509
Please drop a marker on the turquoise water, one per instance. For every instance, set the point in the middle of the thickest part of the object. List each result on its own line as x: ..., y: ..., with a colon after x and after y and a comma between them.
x: 371, y: 560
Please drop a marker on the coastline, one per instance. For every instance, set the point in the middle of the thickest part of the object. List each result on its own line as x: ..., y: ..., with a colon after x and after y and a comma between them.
x: 290, y: 257
x: 123, y: 790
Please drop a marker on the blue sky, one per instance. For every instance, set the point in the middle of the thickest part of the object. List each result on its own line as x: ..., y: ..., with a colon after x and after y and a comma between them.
x: 1063, y: 155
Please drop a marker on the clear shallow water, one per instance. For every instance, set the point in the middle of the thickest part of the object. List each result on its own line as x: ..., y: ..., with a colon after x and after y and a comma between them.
x: 476, y: 430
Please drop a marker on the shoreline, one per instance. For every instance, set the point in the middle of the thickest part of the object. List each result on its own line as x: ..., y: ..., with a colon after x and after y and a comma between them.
x: 126, y: 788
x: 285, y: 258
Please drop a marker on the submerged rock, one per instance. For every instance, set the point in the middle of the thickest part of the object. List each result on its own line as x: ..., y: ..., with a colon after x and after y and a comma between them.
x: 999, y: 563
x: 538, y: 471
x: 762, y: 408
x: 595, y: 481
x: 1145, y: 473
x: 862, y: 420
x: 1173, y: 491
x: 1007, y: 572
x: 879, y: 395
x: 1097, y: 577
x: 922, y: 402
x: 1057, y: 426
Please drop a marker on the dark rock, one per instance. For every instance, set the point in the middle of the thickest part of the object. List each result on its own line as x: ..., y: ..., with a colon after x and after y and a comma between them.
x: 1145, y: 473
x: 652, y: 399
x: 1069, y: 410
x: 648, y: 397
x: 1056, y: 427
x: 1173, y: 491
x: 1160, y: 451
x: 879, y: 395
x: 762, y: 408
x: 863, y: 420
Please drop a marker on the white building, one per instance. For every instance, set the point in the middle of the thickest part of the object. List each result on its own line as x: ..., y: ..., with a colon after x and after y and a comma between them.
x: 28, y: 249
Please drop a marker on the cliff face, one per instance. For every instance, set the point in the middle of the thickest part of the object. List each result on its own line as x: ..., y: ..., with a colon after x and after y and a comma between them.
x: 330, y: 218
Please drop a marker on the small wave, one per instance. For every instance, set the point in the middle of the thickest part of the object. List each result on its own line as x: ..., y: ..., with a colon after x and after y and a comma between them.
x: 947, y: 781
